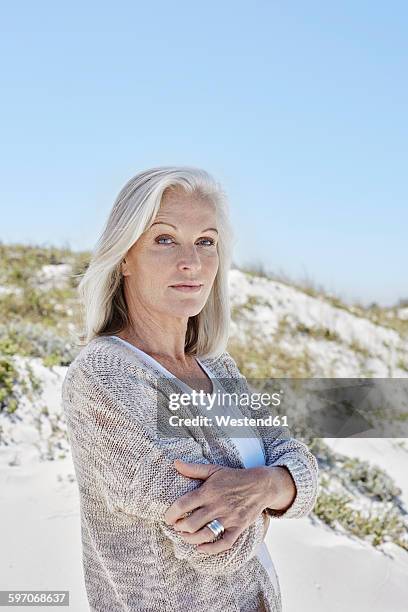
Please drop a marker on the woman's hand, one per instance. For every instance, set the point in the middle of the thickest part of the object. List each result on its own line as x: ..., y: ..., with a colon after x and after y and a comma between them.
x: 234, y: 496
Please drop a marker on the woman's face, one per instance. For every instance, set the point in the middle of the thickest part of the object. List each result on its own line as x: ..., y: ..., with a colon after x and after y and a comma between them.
x: 179, y: 247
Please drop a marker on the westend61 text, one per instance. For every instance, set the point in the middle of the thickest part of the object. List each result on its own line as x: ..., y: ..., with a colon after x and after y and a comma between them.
x: 228, y: 421
x: 207, y: 400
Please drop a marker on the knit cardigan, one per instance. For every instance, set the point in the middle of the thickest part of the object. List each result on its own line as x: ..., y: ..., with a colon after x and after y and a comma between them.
x: 132, y: 560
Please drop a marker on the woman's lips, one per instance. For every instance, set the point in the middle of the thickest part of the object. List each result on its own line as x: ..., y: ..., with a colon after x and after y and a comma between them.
x: 186, y: 288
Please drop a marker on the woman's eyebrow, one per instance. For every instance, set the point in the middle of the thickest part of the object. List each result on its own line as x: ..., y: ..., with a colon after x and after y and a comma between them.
x: 163, y: 223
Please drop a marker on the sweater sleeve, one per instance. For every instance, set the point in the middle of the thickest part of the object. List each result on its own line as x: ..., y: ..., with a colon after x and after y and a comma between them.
x: 116, y: 449
x: 281, y: 449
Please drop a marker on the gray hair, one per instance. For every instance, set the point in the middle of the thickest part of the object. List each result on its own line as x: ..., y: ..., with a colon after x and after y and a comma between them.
x: 101, y: 287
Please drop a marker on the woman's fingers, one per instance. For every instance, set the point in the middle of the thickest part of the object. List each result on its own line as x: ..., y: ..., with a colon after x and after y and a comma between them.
x: 204, y: 539
x: 199, y: 537
x: 225, y: 543
x: 195, y: 520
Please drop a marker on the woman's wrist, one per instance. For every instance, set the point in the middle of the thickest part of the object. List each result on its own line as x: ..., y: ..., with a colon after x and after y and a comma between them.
x: 267, y: 520
x: 279, y: 487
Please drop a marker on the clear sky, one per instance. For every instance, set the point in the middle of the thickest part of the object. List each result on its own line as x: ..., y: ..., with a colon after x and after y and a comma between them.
x: 299, y: 109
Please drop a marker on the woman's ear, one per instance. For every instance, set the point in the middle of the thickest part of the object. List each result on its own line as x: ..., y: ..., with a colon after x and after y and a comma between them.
x: 123, y: 268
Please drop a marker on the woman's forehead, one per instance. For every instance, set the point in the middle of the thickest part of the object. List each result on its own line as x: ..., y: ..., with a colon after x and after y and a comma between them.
x: 182, y: 199
x: 179, y: 212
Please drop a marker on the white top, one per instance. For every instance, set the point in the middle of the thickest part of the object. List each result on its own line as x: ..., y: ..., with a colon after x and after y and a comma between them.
x: 250, y: 449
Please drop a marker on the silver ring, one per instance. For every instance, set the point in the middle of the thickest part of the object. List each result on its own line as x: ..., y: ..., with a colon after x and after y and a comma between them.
x: 217, y: 528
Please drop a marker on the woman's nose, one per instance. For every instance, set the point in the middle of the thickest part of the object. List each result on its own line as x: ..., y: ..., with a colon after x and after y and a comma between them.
x: 189, y: 258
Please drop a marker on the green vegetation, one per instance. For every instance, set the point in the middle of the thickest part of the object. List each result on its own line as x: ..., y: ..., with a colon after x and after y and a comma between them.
x: 253, y: 301
x: 19, y: 263
x: 385, y: 317
x: 344, y: 482
x: 370, y: 479
x: 260, y: 358
x: 306, y: 285
x: 357, y: 348
x: 376, y: 526
x: 16, y: 383
x: 37, y: 314
x: 8, y: 378
x: 402, y: 364
x: 318, y: 332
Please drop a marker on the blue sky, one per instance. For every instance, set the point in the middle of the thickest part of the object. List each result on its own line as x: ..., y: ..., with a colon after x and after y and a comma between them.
x: 299, y: 109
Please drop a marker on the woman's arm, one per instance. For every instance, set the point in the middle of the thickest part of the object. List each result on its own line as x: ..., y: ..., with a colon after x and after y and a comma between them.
x: 283, y: 450
x: 118, y: 452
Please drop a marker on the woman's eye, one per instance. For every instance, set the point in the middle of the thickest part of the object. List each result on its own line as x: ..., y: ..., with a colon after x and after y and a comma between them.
x: 163, y: 238
x: 208, y: 240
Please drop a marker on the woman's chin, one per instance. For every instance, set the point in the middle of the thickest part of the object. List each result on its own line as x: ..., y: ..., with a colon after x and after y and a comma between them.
x: 186, y: 310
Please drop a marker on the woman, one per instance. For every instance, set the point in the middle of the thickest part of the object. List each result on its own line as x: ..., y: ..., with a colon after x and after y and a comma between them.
x: 171, y: 522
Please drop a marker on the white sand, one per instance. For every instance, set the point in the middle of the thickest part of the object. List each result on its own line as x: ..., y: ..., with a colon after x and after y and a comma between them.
x: 40, y: 531
x: 319, y: 570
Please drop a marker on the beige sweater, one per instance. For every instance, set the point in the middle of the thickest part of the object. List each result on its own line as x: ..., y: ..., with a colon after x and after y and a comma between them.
x: 132, y: 560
